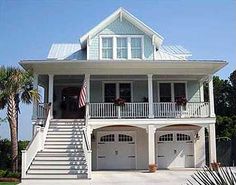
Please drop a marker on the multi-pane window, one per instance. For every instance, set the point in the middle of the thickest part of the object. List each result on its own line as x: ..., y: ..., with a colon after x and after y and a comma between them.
x: 169, y: 92
x: 136, y: 48
x: 125, y: 138
x: 108, y: 138
x: 121, y: 49
x: 166, y: 137
x: 183, y: 137
x: 107, y: 48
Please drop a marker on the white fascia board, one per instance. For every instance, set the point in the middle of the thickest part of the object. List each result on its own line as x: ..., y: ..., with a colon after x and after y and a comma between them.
x: 125, y: 14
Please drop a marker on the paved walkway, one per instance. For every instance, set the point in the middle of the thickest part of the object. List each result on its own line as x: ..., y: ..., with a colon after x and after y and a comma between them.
x: 161, y: 177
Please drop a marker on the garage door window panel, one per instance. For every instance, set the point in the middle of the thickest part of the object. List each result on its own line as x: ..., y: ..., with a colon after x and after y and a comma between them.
x: 166, y: 138
x: 108, y: 138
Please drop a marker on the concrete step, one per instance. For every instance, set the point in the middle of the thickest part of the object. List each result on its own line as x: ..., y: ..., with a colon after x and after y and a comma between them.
x: 58, y: 167
x: 59, y: 158
x: 56, y: 172
x: 56, y: 162
x: 39, y: 177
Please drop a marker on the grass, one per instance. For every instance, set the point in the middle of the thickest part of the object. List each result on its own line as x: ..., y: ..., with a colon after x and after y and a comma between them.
x: 8, y: 183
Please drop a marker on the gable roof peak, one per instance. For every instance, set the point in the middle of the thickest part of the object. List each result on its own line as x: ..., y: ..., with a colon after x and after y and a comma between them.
x: 121, y: 12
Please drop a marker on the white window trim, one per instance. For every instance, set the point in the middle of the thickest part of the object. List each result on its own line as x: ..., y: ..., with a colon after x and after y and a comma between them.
x: 172, y: 89
x: 117, y: 88
x: 114, y: 55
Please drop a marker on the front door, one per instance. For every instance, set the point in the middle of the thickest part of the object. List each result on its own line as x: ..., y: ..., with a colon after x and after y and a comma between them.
x: 70, y: 104
x: 175, y: 149
x: 116, y: 150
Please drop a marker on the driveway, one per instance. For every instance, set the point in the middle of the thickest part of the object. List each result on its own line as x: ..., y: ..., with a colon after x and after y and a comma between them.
x: 162, y: 177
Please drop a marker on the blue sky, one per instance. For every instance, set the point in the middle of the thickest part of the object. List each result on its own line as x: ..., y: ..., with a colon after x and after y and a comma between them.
x: 29, y: 27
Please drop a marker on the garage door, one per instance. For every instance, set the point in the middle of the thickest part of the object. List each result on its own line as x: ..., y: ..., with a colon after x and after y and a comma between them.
x: 175, y: 149
x: 116, y: 150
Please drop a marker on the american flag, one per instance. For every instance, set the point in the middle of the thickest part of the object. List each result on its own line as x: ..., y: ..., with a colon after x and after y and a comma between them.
x: 83, y: 95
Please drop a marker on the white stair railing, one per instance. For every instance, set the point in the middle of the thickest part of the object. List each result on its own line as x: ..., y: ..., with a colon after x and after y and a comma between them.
x: 87, y: 152
x: 36, y: 144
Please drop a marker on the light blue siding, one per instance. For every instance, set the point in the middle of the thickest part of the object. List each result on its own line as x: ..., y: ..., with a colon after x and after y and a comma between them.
x: 193, y: 91
x: 118, y: 27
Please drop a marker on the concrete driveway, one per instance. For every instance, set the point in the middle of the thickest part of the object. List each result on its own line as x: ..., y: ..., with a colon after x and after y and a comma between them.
x: 162, y: 177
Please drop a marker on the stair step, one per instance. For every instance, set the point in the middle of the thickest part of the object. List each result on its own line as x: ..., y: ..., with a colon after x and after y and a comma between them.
x: 48, y: 146
x: 64, y: 139
x: 56, y: 129
x: 58, y: 167
x: 64, y: 136
x: 60, y: 154
x: 55, y: 176
x: 61, y: 158
x: 56, y: 162
x: 63, y: 143
x: 56, y: 171
x: 64, y: 127
x: 65, y: 133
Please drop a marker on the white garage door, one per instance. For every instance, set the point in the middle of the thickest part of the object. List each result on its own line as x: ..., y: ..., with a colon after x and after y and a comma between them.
x: 175, y: 149
x: 116, y: 150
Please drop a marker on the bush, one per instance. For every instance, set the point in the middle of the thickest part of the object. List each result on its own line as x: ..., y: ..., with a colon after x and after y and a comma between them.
x: 9, y: 174
x: 3, y: 173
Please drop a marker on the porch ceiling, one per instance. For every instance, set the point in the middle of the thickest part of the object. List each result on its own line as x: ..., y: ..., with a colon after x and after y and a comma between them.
x: 123, y: 67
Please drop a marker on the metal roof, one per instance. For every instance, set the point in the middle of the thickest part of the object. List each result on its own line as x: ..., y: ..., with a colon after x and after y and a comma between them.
x: 63, y: 51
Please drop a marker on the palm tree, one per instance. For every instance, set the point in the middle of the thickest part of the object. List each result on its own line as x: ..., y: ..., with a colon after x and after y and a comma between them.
x: 15, y: 86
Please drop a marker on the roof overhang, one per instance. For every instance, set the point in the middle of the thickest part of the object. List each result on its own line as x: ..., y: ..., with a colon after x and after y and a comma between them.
x: 122, y: 13
x: 75, y: 67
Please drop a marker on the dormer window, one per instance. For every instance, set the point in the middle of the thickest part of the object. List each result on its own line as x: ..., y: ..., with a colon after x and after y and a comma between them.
x: 136, y: 48
x: 120, y: 47
x: 107, y: 47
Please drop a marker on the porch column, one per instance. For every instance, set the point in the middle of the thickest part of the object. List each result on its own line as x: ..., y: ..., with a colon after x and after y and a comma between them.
x: 211, y: 96
x: 50, y: 91
x: 35, y: 104
x: 201, y: 88
x: 150, y: 96
x: 151, y: 144
x: 212, y: 142
x: 87, y: 79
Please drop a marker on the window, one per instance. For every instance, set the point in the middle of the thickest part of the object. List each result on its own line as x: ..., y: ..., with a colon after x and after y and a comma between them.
x: 107, y: 48
x: 108, y: 138
x: 165, y: 92
x: 136, y: 48
x: 183, y: 137
x: 109, y: 92
x: 169, y: 92
x: 117, y: 89
x: 166, y: 137
x: 125, y: 91
x: 121, y: 49
x: 179, y: 90
x: 125, y: 138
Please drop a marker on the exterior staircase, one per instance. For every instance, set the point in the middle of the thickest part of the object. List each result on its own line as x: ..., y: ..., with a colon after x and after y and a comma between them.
x: 63, y: 156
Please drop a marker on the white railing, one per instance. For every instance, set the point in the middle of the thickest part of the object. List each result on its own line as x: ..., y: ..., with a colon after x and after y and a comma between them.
x: 36, y: 144
x: 141, y: 110
x: 172, y: 110
x: 42, y: 110
x: 87, y: 152
x: 109, y: 110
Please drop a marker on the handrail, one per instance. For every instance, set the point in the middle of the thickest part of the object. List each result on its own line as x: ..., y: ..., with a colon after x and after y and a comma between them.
x: 87, y: 152
x: 35, y: 145
x: 86, y: 140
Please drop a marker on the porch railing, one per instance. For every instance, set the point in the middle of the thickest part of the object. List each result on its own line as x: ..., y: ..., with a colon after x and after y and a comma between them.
x: 42, y: 110
x: 141, y: 110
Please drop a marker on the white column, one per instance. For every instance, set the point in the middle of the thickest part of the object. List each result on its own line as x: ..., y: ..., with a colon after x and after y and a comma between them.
x: 35, y: 104
x: 151, y: 144
x: 201, y: 88
x: 50, y: 91
x: 87, y: 79
x: 212, y: 143
x: 150, y: 96
x: 211, y: 96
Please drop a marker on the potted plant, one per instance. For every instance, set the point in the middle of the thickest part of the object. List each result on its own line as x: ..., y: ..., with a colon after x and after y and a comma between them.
x: 152, y: 168
x: 182, y: 101
x: 119, y: 102
x: 215, y: 166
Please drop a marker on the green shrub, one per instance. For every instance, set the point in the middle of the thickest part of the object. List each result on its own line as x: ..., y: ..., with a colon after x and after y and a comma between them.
x: 13, y: 175
x: 3, y: 173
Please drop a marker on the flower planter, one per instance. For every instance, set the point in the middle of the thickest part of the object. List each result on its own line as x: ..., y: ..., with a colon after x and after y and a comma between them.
x: 152, y: 168
x: 215, y: 166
